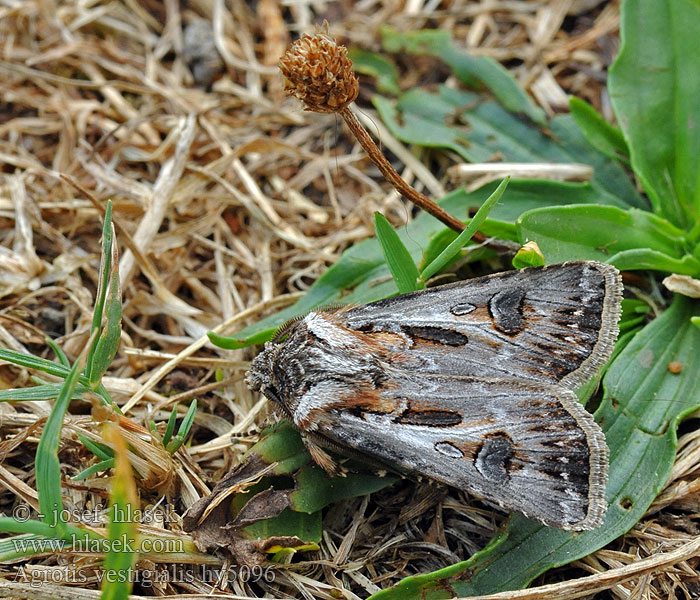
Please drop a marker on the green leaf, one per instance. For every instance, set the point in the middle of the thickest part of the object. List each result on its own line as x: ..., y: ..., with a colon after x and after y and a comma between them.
x: 108, y: 342
x: 599, y: 133
x: 108, y: 257
x: 282, y: 444
x: 529, y: 255
x: 183, y: 431
x: 101, y: 451
x: 92, y: 469
x: 451, y: 251
x: 46, y: 391
x: 642, y: 407
x: 38, y: 537
x: 307, y: 527
x: 634, y: 313
x: 401, y: 265
x: 169, y: 426
x: 471, y: 70
x: 378, y: 66
x: 48, y: 467
x: 437, y: 244
x: 590, y: 232
x: 645, y: 258
x: 317, y: 490
x: 476, y: 129
x: 654, y: 87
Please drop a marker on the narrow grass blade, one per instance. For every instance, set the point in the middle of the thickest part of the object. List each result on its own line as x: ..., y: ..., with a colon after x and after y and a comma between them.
x: 449, y: 253
x: 48, y: 468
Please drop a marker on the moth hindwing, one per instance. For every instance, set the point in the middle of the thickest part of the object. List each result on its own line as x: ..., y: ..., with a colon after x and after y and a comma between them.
x: 470, y: 384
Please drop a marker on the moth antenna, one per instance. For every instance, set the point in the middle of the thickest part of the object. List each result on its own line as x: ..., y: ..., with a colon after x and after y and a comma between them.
x: 282, y: 330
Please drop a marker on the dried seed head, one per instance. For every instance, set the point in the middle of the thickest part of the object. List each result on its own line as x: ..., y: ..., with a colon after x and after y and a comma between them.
x: 318, y: 72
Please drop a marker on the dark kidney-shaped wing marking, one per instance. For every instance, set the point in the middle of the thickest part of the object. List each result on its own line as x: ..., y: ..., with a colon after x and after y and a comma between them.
x: 551, y: 324
x: 530, y: 448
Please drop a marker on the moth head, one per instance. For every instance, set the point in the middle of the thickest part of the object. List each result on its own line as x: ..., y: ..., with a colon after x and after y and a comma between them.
x: 265, y: 374
x: 259, y: 376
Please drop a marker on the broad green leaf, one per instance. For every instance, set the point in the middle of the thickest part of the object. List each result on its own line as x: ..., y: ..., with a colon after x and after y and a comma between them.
x: 599, y: 133
x: 282, y: 444
x: 305, y: 526
x: 654, y: 87
x: 590, y: 232
x: 645, y: 258
x: 317, y: 490
x: 471, y: 70
x: 476, y: 129
x: 642, y: 407
x: 378, y: 66
x: 398, y: 258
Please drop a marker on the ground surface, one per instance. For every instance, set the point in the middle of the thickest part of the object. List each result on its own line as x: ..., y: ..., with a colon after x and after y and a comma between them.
x: 236, y: 201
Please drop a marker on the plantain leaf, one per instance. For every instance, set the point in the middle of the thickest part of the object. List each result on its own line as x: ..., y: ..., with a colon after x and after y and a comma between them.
x: 654, y: 87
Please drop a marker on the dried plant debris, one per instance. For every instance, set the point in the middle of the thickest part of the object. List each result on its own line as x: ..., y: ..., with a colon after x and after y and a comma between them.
x: 229, y: 202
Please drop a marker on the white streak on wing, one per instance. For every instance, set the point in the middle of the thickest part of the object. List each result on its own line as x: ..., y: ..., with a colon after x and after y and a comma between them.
x: 320, y: 397
x: 327, y: 331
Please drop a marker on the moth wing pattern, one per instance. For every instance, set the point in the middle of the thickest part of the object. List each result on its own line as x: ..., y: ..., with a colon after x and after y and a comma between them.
x: 469, y: 383
x: 551, y: 324
x: 529, y: 448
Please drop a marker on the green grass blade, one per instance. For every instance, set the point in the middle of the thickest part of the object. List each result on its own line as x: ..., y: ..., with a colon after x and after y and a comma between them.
x: 38, y: 537
x: 96, y: 468
x: 183, y: 431
x: 101, y: 451
x: 34, y: 362
x: 401, y: 265
x: 48, y: 468
x: 108, y: 341
x: 104, y: 276
x: 449, y: 253
x: 170, y: 426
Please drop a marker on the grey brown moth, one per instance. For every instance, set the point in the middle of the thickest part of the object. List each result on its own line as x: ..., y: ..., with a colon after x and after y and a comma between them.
x: 470, y: 384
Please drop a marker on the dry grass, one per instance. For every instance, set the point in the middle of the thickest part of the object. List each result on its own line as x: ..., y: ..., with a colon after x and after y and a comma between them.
x: 235, y: 201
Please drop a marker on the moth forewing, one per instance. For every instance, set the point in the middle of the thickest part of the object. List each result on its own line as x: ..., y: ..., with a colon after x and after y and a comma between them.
x: 469, y: 383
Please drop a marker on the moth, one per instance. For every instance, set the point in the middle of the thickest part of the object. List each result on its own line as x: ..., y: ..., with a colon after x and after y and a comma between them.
x: 470, y: 384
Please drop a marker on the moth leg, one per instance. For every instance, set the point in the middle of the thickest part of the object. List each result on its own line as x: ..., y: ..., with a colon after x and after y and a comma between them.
x: 320, y: 456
